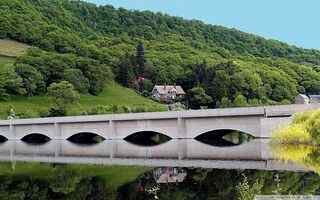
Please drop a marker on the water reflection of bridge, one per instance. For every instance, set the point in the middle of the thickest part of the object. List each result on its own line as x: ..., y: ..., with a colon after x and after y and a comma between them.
x: 175, y: 153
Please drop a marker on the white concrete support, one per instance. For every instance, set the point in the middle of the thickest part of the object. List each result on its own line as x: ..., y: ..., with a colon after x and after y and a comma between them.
x: 12, y: 133
x: 57, y: 132
x: 181, y: 128
x: 112, y: 129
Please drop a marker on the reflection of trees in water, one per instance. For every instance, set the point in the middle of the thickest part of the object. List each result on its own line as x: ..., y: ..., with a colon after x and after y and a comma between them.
x: 63, y: 183
x: 29, y: 188
x: 226, y: 184
x: 306, y: 155
x: 86, y: 183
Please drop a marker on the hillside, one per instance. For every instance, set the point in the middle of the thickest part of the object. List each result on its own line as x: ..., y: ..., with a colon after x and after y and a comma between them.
x: 113, y: 94
x: 89, y: 45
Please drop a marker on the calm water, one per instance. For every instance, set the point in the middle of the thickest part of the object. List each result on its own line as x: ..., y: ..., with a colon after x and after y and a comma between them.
x: 231, y: 168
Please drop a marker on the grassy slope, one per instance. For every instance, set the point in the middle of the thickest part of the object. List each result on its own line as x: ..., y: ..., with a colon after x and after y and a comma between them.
x: 10, y: 48
x: 112, y: 94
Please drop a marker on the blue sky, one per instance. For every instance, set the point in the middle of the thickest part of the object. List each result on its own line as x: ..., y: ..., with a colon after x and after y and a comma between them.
x: 292, y: 21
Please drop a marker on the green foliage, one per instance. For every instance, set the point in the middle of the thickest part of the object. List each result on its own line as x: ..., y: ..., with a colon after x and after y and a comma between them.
x: 240, y: 101
x: 225, y: 103
x: 77, y: 79
x: 63, y: 94
x: 85, y: 44
x: 248, y: 192
x: 31, y: 78
x: 65, y: 181
x: 304, y: 129
x: 198, y: 97
x: 10, y: 83
x: 36, y: 181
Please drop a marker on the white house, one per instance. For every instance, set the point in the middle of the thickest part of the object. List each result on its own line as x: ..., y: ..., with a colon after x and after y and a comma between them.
x: 167, y: 93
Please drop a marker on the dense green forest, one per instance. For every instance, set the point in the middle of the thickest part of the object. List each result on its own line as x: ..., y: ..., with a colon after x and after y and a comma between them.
x: 88, y: 46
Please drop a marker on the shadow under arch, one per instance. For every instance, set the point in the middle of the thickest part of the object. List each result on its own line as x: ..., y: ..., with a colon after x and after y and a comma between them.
x: 36, y: 139
x: 86, y: 138
x: 147, y: 138
x: 224, y: 137
x: 3, y: 139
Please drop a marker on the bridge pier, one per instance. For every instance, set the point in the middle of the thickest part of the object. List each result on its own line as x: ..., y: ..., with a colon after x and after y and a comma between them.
x: 181, y: 128
x: 12, y: 133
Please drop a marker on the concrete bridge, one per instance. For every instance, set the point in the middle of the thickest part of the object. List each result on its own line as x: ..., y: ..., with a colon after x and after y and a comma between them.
x: 256, y: 121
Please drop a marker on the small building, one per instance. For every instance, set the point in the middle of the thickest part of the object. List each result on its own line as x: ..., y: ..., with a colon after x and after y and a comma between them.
x: 302, y: 99
x: 168, y: 93
x: 314, y: 99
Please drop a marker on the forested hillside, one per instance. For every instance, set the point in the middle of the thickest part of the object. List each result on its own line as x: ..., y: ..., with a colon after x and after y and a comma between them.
x: 88, y: 46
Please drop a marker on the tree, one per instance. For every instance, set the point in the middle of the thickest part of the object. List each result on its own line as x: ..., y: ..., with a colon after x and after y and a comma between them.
x: 197, y: 97
x: 63, y: 94
x: 98, y: 74
x: 125, y: 73
x: 31, y: 78
x: 140, y: 58
x: 200, y: 72
x: 225, y: 103
x: 10, y: 82
x: 77, y: 79
x: 240, y: 101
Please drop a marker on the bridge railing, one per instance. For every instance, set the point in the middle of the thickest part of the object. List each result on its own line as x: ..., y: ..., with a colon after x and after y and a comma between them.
x: 268, y: 111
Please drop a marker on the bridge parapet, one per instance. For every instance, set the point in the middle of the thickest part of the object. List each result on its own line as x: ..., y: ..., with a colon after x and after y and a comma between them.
x: 289, y: 110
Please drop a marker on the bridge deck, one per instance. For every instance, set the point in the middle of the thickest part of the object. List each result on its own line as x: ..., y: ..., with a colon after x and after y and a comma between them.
x: 267, y: 111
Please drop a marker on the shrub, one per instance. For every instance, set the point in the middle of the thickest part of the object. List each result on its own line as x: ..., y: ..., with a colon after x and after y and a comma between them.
x: 100, y: 109
x: 56, y: 112
x: 295, y: 133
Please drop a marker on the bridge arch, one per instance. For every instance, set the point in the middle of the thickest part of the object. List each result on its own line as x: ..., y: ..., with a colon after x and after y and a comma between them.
x: 86, y: 138
x: 250, y: 125
x: 3, y: 138
x: 147, y: 138
x: 36, y: 138
x: 226, y: 131
x: 224, y: 138
x: 124, y: 133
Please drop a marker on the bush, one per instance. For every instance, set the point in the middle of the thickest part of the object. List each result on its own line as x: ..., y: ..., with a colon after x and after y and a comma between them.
x: 295, y: 133
x: 56, y: 112
x: 100, y: 109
